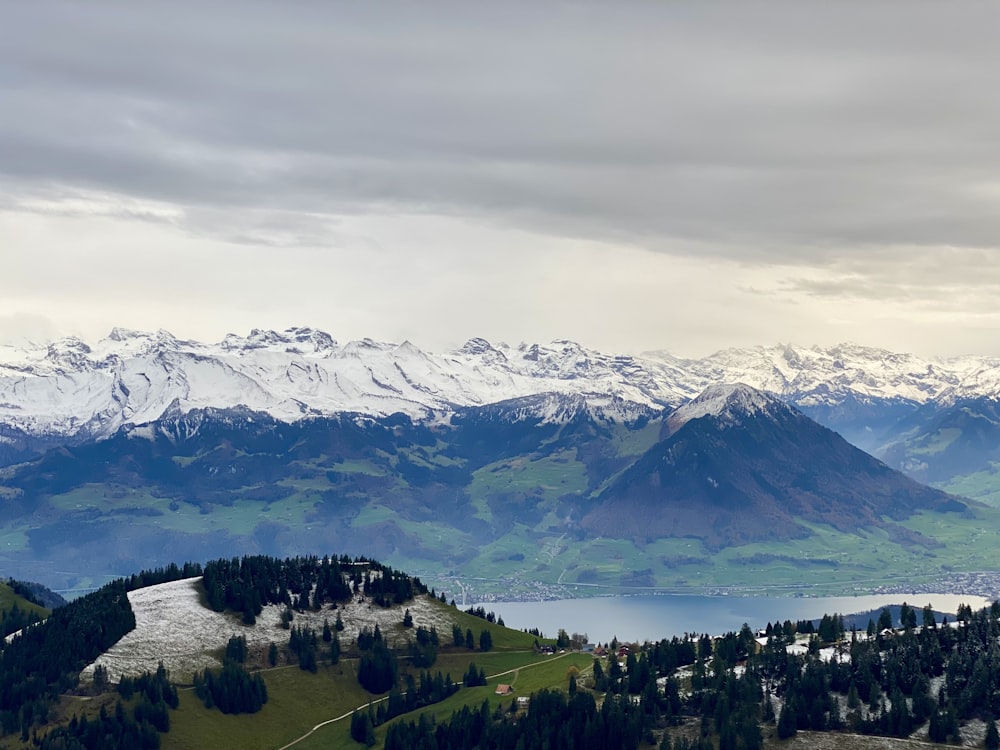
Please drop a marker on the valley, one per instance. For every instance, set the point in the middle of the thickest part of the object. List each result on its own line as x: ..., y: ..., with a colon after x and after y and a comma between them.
x: 499, y: 376
x: 622, y: 477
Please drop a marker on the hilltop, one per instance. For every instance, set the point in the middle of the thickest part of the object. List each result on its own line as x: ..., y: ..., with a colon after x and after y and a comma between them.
x: 312, y: 691
x: 175, y: 636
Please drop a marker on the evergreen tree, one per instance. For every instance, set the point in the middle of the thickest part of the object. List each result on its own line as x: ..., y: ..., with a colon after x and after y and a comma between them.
x: 992, y: 741
x: 929, y: 621
x: 787, y: 724
x: 232, y: 690
x: 885, y: 620
x: 377, y: 669
x: 236, y: 649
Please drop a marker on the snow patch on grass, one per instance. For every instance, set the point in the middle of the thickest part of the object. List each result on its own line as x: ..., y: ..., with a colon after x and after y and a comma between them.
x: 173, y: 626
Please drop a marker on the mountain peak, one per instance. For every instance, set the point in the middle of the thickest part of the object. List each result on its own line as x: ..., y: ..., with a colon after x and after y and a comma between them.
x: 121, y: 334
x: 476, y: 345
x: 296, y: 340
x: 727, y: 402
x: 484, y: 351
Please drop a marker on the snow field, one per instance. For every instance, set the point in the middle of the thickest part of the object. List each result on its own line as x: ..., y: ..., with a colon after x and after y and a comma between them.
x: 173, y: 626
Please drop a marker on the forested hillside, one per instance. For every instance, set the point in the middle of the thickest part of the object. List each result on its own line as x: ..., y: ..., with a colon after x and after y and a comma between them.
x: 937, y: 682
x: 408, y: 683
x: 19, y: 606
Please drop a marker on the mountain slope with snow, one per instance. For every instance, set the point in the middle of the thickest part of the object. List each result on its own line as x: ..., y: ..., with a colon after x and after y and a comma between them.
x: 72, y: 388
x: 737, y: 465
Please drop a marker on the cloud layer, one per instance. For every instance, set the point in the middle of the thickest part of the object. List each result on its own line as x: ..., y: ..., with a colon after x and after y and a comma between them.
x: 833, y: 152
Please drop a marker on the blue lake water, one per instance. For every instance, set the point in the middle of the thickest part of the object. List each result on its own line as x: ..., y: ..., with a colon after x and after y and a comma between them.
x: 641, y: 618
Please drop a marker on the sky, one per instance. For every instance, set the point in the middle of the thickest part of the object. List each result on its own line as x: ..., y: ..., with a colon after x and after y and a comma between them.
x: 633, y: 176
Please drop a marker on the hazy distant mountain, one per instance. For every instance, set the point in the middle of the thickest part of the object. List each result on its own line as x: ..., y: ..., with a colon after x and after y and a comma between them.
x: 950, y: 443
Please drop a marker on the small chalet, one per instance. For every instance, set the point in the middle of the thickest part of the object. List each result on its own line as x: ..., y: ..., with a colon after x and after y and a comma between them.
x: 504, y: 689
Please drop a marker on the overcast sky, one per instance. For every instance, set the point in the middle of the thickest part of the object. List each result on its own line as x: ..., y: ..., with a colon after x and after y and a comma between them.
x: 685, y: 176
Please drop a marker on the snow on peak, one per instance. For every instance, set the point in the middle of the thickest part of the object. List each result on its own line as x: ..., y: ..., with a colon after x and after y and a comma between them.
x: 727, y: 402
x: 301, y: 340
x: 483, y: 351
x: 131, y: 377
x: 476, y: 346
x: 123, y: 334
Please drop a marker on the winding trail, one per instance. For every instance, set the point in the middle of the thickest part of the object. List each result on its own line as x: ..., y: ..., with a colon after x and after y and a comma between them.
x: 376, y: 702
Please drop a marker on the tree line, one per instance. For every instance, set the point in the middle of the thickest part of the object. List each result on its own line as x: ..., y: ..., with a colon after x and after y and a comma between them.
x: 554, y: 721
x: 428, y: 689
x: 246, y: 584
x: 878, y: 683
x: 121, y: 730
x: 45, y: 660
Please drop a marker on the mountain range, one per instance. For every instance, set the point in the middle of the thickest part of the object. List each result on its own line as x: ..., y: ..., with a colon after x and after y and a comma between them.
x: 528, y: 470
x: 935, y: 419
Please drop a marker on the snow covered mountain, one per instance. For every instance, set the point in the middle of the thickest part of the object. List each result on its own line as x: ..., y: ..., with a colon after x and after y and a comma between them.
x: 72, y: 388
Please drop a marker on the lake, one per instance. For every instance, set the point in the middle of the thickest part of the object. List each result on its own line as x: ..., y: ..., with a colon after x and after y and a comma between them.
x: 652, y: 617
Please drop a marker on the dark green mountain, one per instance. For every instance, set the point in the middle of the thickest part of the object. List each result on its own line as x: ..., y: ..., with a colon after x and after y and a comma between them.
x: 738, y: 466
x: 537, y: 492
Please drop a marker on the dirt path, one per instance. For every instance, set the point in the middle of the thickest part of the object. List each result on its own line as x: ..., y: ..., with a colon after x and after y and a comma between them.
x: 376, y: 702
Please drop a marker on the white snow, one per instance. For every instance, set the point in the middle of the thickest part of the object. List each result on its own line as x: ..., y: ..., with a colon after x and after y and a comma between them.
x: 173, y: 626
x: 728, y: 403
x: 71, y: 386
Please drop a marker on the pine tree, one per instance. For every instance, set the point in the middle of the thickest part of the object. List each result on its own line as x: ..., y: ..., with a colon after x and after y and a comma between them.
x: 992, y: 741
x: 787, y: 726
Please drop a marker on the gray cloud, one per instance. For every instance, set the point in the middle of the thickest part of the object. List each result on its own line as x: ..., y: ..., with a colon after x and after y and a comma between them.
x: 740, y: 171
x: 766, y: 130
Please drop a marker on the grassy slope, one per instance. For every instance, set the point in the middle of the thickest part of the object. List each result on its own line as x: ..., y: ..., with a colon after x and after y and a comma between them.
x: 543, y: 672
x: 983, y: 486
x: 298, y: 700
x: 536, y: 554
x: 539, y: 558
x: 8, y: 598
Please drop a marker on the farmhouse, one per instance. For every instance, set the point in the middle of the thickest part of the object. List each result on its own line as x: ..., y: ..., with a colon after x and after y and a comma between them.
x: 504, y: 689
